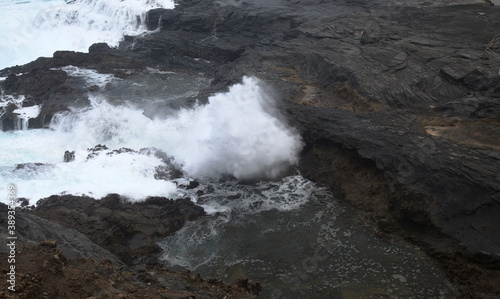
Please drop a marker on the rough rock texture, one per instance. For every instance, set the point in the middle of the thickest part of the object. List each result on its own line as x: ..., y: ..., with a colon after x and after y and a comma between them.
x: 54, y: 261
x: 129, y: 230
x: 418, y: 99
x: 31, y: 230
x: 405, y: 87
x: 398, y: 102
x: 43, y: 271
x: 43, y: 83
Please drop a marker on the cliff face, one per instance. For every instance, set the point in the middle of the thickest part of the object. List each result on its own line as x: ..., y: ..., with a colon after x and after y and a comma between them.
x: 398, y: 103
x: 407, y: 87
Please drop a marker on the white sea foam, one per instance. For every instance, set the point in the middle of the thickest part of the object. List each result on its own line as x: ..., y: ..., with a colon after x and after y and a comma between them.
x: 6, y: 100
x: 28, y: 112
x: 24, y: 114
x: 35, y: 28
x: 89, y: 76
x: 129, y: 174
x: 236, y: 134
x: 287, y: 194
x: 103, y: 123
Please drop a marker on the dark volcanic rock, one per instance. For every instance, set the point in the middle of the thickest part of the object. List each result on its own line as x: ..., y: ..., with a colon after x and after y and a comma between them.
x: 38, y: 83
x: 38, y: 265
x: 99, y: 48
x: 400, y: 85
x: 45, y: 250
x: 129, y: 230
x: 31, y: 230
x: 44, y: 87
x: 101, y: 58
x: 398, y: 94
x: 69, y: 156
x: 41, y: 83
x: 98, y: 149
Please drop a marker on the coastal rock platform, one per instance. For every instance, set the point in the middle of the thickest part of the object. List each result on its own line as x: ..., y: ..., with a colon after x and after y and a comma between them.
x: 398, y: 103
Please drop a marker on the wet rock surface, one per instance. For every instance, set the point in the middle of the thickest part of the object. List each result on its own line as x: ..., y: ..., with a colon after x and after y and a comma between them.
x: 401, y: 95
x: 79, y: 265
x: 44, y: 83
x: 44, y: 271
x: 129, y: 230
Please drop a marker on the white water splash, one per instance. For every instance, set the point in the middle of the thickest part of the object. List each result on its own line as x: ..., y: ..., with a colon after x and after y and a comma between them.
x: 35, y: 28
x: 288, y: 194
x: 235, y: 134
x: 24, y: 114
x: 6, y: 100
x: 89, y: 77
x: 28, y: 112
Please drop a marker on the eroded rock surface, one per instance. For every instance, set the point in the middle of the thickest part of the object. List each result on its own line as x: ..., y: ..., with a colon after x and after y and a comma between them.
x: 43, y: 271
x: 403, y: 92
x: 58, y: 260
x: 419, y: 98
x: 129, y: 230
x: 406, y: 87
x: 31, y: 230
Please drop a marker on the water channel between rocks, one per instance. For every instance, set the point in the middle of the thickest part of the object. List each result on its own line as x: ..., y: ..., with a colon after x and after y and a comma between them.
x: 299, y: 242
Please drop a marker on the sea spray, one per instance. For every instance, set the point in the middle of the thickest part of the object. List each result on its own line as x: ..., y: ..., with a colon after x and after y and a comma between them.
x: 235, y: 134
x: 35, y: 28
x: 103, y: 123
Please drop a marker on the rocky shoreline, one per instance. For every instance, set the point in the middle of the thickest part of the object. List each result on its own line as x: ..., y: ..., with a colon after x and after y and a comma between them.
x: 104, y: 248
x: 397, y: 102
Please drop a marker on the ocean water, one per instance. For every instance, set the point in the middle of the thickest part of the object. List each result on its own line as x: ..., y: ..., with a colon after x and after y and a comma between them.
x: 34, y: 28
x: 298, y: 242
x: 264, y: 221
x: 234, y: 135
